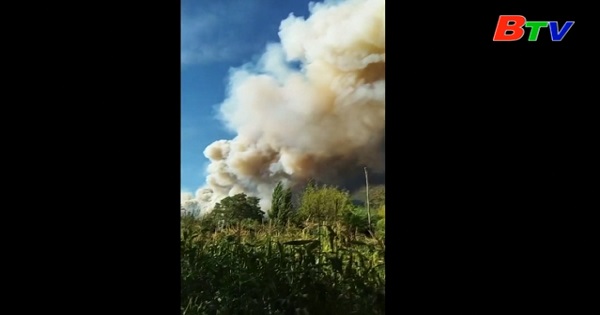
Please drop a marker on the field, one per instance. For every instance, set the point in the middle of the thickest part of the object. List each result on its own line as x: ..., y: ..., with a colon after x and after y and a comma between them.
x: 264, y: 269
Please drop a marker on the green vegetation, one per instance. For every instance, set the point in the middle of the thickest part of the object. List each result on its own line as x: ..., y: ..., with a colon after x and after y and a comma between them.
x: 281, y: 205
x: 317, y: 257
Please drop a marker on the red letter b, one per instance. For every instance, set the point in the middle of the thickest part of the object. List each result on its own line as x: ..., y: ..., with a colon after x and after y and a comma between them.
x: 503, y: 27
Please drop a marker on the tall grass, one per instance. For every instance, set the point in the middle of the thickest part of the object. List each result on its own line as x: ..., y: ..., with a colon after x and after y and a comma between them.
x: 280, y: 271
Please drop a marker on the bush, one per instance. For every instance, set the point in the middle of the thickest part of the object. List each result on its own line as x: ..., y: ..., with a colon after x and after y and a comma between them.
x: 279, y: 272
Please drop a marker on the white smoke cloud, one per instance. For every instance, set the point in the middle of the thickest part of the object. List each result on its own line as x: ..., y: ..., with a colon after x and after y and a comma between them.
x: 185, y: 196
x: 318, y: 121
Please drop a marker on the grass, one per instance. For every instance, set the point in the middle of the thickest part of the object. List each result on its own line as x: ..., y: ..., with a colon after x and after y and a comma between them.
x: 280, y: 271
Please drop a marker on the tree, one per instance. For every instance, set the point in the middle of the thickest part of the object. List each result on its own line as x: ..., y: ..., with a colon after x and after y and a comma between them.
x: 377, y: 196
x: 281, y: 204
x: 324, y: 203
x: 357, y: 219
x: 238, y: 208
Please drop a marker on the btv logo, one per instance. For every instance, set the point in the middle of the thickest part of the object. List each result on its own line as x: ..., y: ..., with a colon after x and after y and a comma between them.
x: 510, y: 28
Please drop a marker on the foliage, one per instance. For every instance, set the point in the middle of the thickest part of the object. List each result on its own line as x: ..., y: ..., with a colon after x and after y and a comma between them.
x: 236, y: 208
x: 281, y: 205
x: 282, y: 271
x: 376, y: 196
x: 381, y: 211
x: 248, y: 267
x: 357, y: 219
x: 323, y: 204
x: 380, y: 222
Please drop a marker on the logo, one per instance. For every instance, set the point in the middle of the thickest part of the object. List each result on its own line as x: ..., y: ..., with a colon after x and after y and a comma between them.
x: 511, y: 28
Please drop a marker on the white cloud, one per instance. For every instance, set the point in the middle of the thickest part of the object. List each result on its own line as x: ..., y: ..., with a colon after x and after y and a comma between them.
x: 186, y: 195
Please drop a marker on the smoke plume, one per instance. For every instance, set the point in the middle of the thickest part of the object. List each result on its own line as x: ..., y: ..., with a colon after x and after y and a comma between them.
x: 323, y: 119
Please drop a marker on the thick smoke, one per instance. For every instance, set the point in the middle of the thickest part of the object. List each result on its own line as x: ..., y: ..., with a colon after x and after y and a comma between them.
x: 324, y: 119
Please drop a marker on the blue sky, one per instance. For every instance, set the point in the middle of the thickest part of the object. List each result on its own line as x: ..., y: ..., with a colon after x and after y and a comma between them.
x: 215, y: 36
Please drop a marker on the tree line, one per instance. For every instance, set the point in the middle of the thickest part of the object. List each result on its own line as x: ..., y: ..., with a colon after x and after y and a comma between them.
x: 317, y: 205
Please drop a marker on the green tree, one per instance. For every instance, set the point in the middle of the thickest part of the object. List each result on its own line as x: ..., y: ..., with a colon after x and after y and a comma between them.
x: 323, y: 203
x: 357, y: 219
x: 235, y: 209
x: 281, y: 204
x: 377, y: 196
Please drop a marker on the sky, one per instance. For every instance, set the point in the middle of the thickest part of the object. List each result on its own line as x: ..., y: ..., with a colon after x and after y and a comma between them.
x: 216, y: 36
